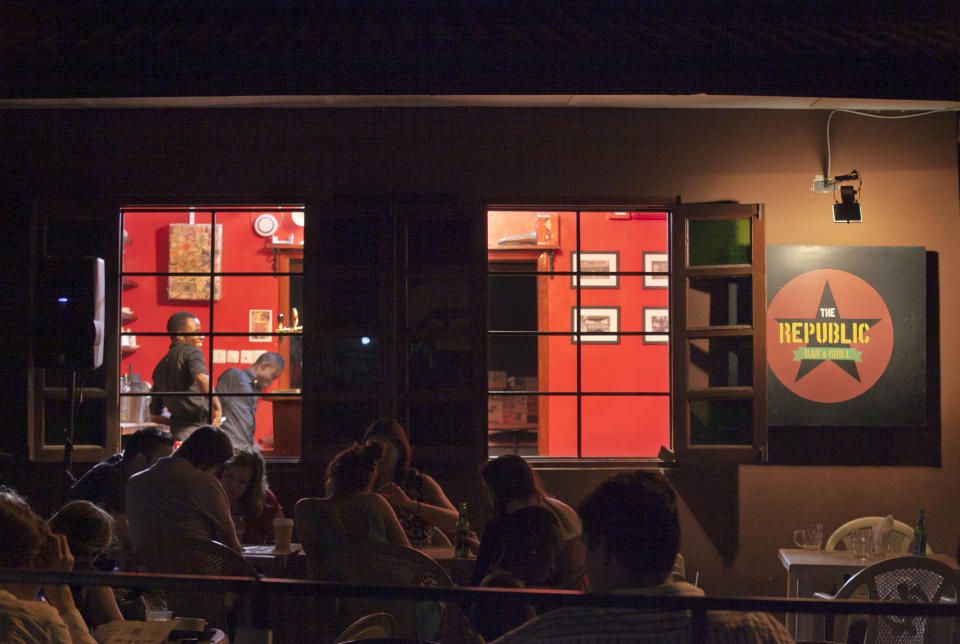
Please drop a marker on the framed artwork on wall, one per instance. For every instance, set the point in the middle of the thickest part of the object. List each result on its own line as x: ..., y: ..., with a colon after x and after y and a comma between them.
x: 189, y: 252
x: 598, y: 324
x: 656, y: 263
x: 598, y: 262
x: 656, y: 320
x: 261, y: 321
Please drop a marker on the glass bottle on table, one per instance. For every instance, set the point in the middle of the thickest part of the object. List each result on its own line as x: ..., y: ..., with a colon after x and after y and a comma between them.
x: 460, y: 547
x: 920, y: 535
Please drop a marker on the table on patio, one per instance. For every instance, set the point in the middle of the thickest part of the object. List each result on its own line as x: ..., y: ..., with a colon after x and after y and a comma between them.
x: 810, y: 571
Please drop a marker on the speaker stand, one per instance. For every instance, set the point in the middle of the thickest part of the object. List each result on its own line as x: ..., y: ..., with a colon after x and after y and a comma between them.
x: 68, y: 478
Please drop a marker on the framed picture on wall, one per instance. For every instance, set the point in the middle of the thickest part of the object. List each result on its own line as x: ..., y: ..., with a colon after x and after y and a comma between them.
x: 598, y: 324
x: 656, y: 320
x: 261, y: 321
x: 656, y: 263
x: 599, y: 262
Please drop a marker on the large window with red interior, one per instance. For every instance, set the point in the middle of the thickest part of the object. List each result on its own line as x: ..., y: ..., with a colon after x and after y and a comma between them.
x: 239, y: 271
x: 578, y: 332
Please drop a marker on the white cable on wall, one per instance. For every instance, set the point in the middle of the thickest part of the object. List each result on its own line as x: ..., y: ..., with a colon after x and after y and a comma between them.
x: 877, y: 116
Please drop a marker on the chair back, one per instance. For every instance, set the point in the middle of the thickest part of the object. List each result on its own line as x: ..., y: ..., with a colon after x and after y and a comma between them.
x: 194, y: 557
x: 907, y: 578
x: 387, y: 564
x: 901, y: 537
x: 375, y: 625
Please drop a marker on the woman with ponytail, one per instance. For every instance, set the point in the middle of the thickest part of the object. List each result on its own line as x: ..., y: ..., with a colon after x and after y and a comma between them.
x: 351, y: 512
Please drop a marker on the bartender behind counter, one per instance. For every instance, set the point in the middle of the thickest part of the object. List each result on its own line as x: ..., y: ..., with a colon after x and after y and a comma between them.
x: 183, y: 369
x: 240, y: 412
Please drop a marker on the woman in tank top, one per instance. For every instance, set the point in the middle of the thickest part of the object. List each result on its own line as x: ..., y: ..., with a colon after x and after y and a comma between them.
x: 417, y: 499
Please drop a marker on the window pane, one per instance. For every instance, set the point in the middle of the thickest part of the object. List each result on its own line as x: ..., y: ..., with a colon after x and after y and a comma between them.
x: 445, y: 361
x: 147, y: 249
x: 246, y: 236
x: 89, y: 428
x: 430, y: 423
x: 625, y: 426
x: 356, y: 302
x: 146, y: 306
x: 639, y: 239
x: 251, y: 305
x: 512, y: 362
x: 721, y: 422
x: 344, y: 421
x: 720, y: 362
x: 518, y: 228
x: 141, y: 357
x: 512, y: 302
x: 349, y: 363
x: 512, y: 424
x: 715, y: 242
x: 720, y: 301
x: 441, y: 304
x: 637, y: 366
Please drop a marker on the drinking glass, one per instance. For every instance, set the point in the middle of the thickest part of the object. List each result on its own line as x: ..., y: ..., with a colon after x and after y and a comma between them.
x: 808, y: 536
x: 861, y: 542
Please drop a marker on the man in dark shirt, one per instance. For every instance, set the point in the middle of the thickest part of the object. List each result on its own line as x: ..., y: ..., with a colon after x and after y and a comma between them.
x: 105, y: 483
x: 183, y: 369
x: 239, y: 412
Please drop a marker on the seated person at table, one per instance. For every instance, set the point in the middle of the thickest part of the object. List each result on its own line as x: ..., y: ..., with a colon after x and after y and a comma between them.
x: 252, y: 504
x: 351, y: 512
x: 528, y: 547
x: 88, y: 529
x: 106, y: 483
x: 181, y: 497
x: 28, y: 544
x: 513, y: 486
x: 633, y: 535
x: 416, y: 498
x: 240, y: 412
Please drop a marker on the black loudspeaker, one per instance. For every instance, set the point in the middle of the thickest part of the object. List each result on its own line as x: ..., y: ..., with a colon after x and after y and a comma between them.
x: 69, y: 313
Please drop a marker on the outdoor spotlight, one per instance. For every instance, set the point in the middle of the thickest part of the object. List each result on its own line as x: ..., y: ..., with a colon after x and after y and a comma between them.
x: 848, y: 210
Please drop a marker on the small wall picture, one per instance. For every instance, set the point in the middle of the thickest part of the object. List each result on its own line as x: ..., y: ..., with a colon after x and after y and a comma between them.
x: 261, y: 321
x: 656, y: 320
x: 598, y: 324
x: 600, y: 262
x: 656, y: 263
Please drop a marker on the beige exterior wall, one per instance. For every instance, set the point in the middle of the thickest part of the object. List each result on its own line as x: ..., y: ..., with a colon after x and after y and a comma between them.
x: 910, y: 197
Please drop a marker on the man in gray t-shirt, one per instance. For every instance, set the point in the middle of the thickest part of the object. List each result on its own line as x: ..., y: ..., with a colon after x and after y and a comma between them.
x: 183, y: 369
x: 239, y: 411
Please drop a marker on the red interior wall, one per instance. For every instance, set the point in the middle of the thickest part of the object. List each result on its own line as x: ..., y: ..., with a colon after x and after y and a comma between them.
x: 626, y: 426
x: 243, y: 251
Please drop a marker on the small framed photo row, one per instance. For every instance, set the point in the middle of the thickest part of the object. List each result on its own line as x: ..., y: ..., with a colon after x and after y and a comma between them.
x: 656, y: 263
x: 656, y: 320
x: 598, y: 262
x: 597, y: 325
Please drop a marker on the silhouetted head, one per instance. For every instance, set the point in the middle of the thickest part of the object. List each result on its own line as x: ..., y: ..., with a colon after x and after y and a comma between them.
x: 207, y: 448
x: 353, y: 470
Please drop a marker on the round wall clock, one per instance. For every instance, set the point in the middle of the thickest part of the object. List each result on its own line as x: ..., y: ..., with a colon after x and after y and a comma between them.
x: 265, y: 225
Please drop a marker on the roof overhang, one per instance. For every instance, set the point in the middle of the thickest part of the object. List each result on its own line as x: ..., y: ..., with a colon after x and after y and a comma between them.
x: 626, y: 101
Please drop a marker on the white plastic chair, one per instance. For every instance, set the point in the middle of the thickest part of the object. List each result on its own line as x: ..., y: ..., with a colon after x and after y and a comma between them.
x: 915, y: 579
x: 900, y: 538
